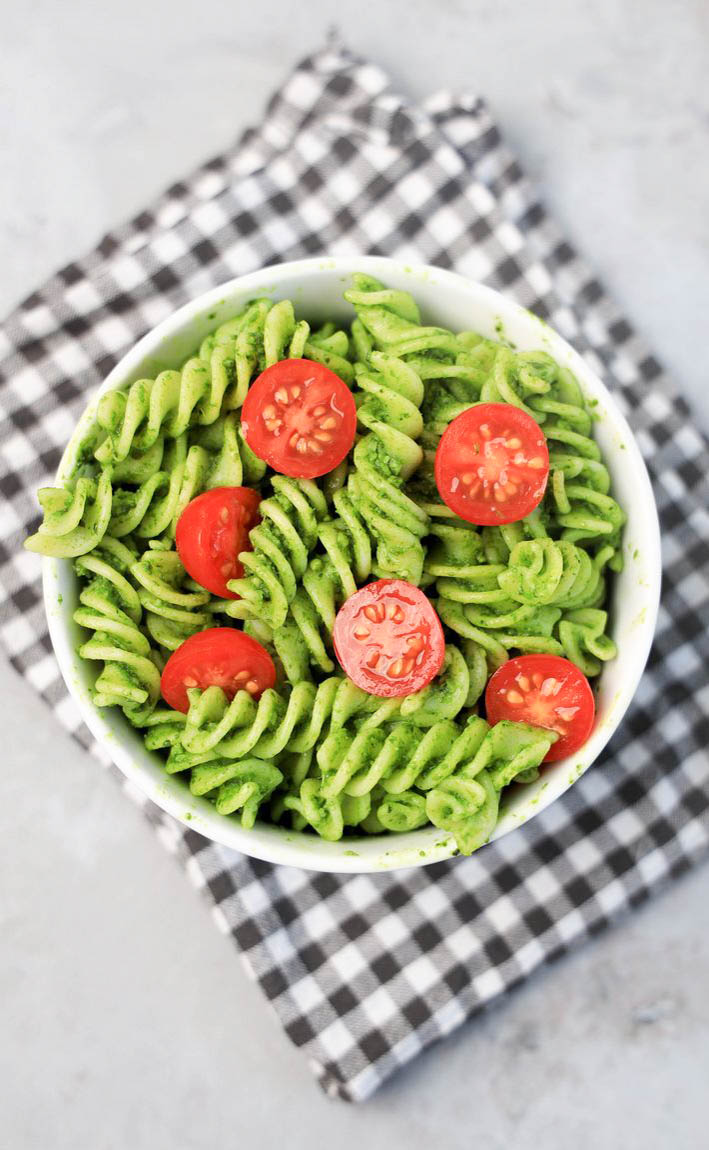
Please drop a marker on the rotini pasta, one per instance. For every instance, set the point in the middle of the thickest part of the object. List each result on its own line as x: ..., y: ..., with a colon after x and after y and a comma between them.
x: 281, y: 545
x: 315, y: 751
x: 111, y: 610
x: 75, y: 518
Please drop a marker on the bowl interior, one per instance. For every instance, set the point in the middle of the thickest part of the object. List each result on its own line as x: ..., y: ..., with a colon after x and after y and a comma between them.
x: 316, y: 287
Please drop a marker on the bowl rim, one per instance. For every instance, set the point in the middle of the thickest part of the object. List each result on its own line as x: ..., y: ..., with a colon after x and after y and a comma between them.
x: 278, y: 844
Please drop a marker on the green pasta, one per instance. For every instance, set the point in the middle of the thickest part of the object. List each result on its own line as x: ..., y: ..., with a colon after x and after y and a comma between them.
x: 315, y: 752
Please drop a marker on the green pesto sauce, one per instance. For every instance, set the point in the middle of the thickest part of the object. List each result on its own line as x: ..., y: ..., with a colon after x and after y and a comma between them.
x: 392, y: 459
x: 500, y: 333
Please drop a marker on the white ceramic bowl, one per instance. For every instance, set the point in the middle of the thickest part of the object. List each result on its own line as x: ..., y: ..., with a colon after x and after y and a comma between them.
x: 316, y: 286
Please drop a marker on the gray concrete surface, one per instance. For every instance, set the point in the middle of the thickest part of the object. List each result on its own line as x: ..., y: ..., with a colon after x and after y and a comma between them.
x: 127, y: 1020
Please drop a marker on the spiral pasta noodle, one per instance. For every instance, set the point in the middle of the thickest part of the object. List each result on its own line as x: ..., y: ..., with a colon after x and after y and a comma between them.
x: 331, y: 576
x: 578, y: 498
x: 111, y: 610
x: 75, y: 518
x: 466, y: 802
x: 556, y: 573
x: 382, y: 462
x: 327, y: 816
x: 174, y: 607
x: 281, y: 545
x: 237, y: 785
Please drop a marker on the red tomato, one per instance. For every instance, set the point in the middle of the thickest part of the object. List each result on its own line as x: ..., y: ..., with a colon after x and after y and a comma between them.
x: 212, y: 531
x: 389, y: 639
x: 300, y: 418
x: 546, y: 691
x: 219, y: 657
x: 492, y: 464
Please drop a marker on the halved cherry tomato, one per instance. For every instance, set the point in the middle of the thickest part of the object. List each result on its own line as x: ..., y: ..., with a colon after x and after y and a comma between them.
x: 546, y: 691
x: 211, y: 532
x: 220, y: 657
x: 389, y: 639
x: 492, y: 464
x: 300, y: 418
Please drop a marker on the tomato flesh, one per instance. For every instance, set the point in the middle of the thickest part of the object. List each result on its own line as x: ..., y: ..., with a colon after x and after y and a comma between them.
x: 492, y: 464
x: 388, y: 638
x: 300, y: 418
x: 546, y: 691
x: 219, y: 657
x: 212, y: 531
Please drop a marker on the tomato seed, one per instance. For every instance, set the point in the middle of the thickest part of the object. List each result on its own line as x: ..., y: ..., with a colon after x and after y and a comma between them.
x: 514, y: 697
x: 361, y: 633
x: 252, y: 686
x: 190, y: 682
x: 537, y: 463
x: 537, y: 679
x: 523, y: 682
x: 547, y: 688
x: 281, y: 395
x: 328, y: 423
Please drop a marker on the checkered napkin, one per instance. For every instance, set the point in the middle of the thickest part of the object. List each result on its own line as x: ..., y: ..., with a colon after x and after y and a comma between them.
x: 365, y: 972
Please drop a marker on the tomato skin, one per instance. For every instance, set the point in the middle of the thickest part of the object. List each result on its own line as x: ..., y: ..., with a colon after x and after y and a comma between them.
x: 388, y: 638
x: 218, y: 657
x: 492, y: 464
x: 300, y: 418
x: 212, y: 531
x: 525, y: 689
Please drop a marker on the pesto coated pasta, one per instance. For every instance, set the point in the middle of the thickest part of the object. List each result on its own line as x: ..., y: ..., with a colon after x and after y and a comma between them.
x: 308, y: 747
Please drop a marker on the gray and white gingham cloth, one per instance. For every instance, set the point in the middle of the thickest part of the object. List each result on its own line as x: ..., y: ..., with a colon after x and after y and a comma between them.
x: 365, y: 972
